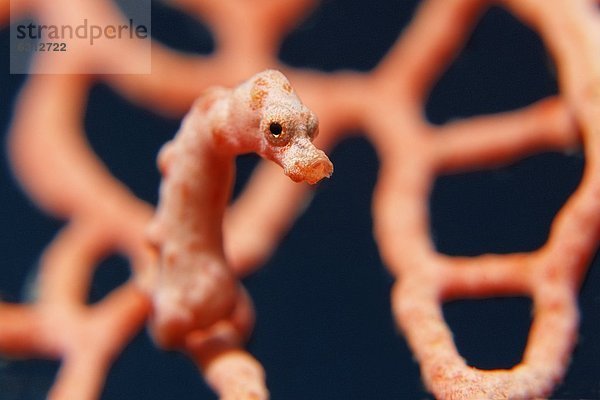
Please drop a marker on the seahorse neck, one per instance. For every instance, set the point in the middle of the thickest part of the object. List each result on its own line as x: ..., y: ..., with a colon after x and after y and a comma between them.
x: 201, y: 181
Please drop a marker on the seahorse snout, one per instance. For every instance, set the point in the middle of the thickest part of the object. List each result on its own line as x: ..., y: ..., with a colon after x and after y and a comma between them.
x: 311, y: 168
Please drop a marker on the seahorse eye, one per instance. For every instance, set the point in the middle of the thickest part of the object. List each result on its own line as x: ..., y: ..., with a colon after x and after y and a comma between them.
x: 276, y: 129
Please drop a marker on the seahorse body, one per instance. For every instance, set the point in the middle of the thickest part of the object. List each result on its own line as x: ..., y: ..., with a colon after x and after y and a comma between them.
x: 196, y: 289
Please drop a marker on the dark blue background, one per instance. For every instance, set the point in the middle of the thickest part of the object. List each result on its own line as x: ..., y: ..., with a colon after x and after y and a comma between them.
x: 324, y: 328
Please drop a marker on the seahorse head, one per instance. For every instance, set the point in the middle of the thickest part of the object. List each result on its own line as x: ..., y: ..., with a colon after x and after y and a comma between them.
x: 287, y: 128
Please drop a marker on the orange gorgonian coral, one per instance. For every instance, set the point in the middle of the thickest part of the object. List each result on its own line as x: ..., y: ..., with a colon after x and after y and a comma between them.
x: 57, y: 168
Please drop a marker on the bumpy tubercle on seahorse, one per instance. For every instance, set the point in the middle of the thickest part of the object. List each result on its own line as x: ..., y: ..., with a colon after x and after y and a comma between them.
x: 199, y: 305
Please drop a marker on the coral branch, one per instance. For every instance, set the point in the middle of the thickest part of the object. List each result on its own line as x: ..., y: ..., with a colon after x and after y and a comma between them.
x: 552, y: 275
x: 429, y: 44
x: 270, y: 202
x: 504, y: 138
x: 4, y: 12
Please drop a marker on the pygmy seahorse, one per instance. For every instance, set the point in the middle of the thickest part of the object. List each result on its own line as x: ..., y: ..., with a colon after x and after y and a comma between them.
x: 196, y: 290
